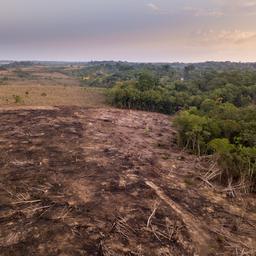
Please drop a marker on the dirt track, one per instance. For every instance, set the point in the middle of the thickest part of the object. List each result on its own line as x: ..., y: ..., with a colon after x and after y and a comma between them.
x: 78, y: 181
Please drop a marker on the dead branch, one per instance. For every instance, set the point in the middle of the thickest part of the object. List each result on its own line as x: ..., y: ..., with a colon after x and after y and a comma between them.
x: 27, y: 202
x: 122, y: 227
x: 152, y: 214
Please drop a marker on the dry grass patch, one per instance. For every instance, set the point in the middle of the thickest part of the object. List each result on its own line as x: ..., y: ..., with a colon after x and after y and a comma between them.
x: 34, y: 95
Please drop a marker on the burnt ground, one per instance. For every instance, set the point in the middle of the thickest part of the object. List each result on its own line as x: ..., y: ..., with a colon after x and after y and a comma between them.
x: 78, y: 181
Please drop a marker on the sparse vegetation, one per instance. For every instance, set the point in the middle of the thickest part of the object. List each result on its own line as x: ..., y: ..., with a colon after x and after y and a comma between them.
x: 31, y: 95
x: 3, y: 80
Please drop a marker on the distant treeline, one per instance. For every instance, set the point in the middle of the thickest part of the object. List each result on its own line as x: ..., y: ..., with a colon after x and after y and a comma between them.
x: 108, y: 73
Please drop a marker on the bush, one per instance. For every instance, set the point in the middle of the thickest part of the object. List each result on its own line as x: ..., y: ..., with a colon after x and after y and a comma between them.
x: 233, y: 140
x: 130, y: 95
x: 237, y: 162
x: 17, y: 99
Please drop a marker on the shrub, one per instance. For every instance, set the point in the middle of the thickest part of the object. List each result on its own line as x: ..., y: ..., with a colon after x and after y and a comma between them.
x: 237, y: 162
x: 17, y: 99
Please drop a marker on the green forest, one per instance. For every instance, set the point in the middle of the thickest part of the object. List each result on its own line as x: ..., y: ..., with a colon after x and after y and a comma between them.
x: 214, y: 107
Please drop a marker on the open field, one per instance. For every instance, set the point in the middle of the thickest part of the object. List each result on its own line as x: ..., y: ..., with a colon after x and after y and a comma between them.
x: 42, y: 85
x: 20, y: 95
x: 79, y: 181
x: 37, y: 75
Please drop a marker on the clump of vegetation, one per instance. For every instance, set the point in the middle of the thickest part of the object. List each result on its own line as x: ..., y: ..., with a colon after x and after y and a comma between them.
x: 17, y: 99
x: 3, y: 80
x: 229, y: 134
x: 144, y: 94
x: 23, y: 74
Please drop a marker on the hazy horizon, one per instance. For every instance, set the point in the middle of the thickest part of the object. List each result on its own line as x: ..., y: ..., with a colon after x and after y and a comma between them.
x: 135, y: 62
x: 158, y: 31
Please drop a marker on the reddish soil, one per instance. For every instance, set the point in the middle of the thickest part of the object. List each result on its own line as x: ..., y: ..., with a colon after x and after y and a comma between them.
x: 78, y: 181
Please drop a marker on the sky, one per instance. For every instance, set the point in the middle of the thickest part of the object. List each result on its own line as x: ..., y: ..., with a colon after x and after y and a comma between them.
x: 128, y: 30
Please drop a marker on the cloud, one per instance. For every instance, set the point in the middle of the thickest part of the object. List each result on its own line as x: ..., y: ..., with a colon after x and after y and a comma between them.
x: 204, y: 12
x: 224, y: 37
x: 249, y: 4
x: 153, y: 7
x: 235, y: 7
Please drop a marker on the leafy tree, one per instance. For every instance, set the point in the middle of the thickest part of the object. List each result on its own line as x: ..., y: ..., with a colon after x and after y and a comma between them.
x: 147, y: 81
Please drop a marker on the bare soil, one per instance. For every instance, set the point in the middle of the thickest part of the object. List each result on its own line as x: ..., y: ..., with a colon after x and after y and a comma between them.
x: 101, y: 181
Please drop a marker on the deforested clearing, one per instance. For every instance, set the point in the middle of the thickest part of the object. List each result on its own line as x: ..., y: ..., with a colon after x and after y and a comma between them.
x: 104, y: 181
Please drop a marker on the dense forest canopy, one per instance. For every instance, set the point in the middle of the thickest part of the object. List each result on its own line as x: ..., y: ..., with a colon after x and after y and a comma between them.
x: 106, y: 74
x: 216, y: 110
